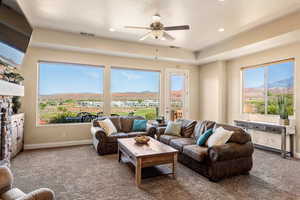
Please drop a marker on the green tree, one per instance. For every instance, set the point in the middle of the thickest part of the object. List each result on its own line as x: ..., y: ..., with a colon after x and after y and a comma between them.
x: 140, y: 101
x: 62, y: 109
x: 43, y: 106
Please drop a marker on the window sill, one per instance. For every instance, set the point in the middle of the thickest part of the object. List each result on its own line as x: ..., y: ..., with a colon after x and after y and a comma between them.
x: 62, y: 124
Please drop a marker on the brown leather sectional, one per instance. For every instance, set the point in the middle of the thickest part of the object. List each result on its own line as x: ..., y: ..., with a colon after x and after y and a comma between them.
x: 108, y: 144
x: 217, y: 162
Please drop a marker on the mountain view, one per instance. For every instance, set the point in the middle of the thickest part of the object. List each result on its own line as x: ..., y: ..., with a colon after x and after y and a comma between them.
x: 280, y: 83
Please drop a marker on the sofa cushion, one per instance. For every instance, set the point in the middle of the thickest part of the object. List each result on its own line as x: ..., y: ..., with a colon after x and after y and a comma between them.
x: 127, y: 122
x: 239, y: 136
x: 196, y: 152
x: 133, y: 134
x: 187, y: 127
x: 166, y: 138
x: 117, y: 122
x: 114, y: 137
x: 202, y: 127
x: 181, y: 142
x: 13, y: 194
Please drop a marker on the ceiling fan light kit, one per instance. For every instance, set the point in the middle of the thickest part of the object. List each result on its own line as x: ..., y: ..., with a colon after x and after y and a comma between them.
x: 158, y: 31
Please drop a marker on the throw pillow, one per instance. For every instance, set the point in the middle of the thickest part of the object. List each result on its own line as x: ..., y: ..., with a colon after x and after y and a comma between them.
x: 203, y: 138
x: 173, y: 128
x: 220, y: 137
x: 139, y: 125
x: 108, y: 126
x: 188, y: 129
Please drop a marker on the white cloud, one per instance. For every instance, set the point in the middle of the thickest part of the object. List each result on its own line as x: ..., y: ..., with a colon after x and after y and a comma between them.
x: 131, y: 76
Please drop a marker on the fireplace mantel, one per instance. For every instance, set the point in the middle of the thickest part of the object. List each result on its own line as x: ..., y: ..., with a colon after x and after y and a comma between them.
x: 10, y: 89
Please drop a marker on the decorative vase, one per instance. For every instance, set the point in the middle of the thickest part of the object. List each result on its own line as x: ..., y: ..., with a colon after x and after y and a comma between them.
x: 284, y: 122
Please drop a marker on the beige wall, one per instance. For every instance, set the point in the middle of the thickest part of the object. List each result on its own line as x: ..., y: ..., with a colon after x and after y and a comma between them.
x: 233, y: 79
x: 212, y: 92
x: 64, y: 133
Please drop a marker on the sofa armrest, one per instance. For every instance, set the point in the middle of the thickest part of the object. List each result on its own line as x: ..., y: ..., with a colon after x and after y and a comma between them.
x: 40, y: 194
x: 151, y: 130
x: 230, y: 151
x: 99, y: 133
x: 160, y: 131
x: 6, y: 179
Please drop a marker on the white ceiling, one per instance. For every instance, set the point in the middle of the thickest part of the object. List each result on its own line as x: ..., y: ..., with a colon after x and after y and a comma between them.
x: 204, y: 16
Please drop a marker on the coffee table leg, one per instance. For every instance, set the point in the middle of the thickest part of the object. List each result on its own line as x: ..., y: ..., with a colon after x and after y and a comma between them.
x: 138, y: 171
x: 174, y: 165
x: 119, y: 154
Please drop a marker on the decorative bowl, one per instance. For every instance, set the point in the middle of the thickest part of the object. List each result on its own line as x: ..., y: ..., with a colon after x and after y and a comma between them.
x: 142, y: 139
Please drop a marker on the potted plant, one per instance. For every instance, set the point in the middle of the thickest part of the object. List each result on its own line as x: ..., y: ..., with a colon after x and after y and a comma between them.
x: 283, y: 111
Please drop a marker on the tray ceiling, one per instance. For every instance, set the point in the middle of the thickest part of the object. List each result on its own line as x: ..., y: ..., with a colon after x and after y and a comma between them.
x: 205, y: 17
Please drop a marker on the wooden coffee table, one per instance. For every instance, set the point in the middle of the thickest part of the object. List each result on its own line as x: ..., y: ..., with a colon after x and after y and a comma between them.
x: 147, y: 155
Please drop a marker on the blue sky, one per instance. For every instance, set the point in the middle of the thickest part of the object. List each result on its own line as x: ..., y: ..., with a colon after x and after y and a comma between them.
x: 177, y: 82
x: 10, y: 53
x: 71, y: 78
x: 126, y: 80
x: 254, y: 77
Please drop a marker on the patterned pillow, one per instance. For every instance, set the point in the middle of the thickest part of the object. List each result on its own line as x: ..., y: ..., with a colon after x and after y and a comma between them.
x: 108, y: 126
x: 173, y: 128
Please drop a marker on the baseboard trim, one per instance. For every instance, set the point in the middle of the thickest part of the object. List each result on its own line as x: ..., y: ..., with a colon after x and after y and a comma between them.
x: 57, y: 144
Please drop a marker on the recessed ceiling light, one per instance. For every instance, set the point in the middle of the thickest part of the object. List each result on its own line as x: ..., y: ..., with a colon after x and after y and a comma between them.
x: 221, y: 0
x: 112, y: 29
x: 221, y: 30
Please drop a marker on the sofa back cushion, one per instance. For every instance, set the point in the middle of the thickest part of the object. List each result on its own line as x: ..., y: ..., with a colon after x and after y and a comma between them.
x: 187, y: 127
x: 117, y: 122
x: 114, y: 119
x: 127, y: 122
x: 201, y: 127
x: 239, y: 136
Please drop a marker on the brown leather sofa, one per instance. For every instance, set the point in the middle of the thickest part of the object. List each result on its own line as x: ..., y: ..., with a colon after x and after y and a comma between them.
x: 108, y: 144
x: 217, y: 162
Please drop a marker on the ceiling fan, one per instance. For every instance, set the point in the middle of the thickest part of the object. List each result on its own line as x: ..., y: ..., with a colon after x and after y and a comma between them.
x: 158, y: 31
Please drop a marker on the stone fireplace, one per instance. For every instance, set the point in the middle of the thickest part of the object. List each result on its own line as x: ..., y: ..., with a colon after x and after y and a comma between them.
x: 6, y: 131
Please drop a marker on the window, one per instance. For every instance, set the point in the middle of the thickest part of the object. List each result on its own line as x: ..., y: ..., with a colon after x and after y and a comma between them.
x: 10, y: 55
x: 177, y: 96
x: 135, y: 92
x: 69, y: 93
x: 264, y: 83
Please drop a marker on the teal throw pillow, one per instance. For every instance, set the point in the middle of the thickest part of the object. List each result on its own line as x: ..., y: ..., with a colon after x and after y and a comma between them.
x: 139, y: 125
x: 202, y: 139
x: 173, y: 128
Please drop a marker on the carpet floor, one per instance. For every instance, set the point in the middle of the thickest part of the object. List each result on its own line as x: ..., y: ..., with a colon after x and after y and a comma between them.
x: 78, y: 173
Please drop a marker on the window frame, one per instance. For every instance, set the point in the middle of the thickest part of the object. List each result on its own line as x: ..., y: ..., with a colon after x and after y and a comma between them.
x: 266, y: 78
x: 146, y: 69
x: 38, y: 88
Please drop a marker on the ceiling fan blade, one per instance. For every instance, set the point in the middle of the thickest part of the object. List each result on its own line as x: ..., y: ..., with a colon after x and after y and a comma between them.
x: 146, y: 35
x: 168, y: 36
x: 176, y: 28
x: 138, y: 27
